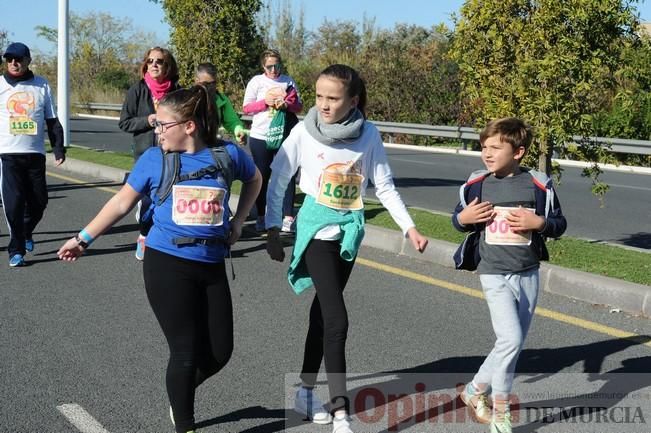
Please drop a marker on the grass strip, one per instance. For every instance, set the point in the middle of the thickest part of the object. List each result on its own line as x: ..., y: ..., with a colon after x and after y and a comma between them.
x: 606, y: 260
x: 119, y: 160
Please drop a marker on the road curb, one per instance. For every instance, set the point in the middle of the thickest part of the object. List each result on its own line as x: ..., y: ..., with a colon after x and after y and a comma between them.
x: 583, y: 286
x: 597, y: 289
x: 88, y: 168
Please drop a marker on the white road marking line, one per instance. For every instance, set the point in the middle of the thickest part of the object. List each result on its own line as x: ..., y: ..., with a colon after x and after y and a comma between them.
x: 81, y: 419
x: 616, y: 185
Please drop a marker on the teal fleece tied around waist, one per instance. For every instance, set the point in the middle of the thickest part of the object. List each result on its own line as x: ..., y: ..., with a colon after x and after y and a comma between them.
x: 313, y: 217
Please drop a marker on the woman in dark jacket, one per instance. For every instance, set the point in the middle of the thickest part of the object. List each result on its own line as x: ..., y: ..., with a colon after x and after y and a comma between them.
x: 159, y: 76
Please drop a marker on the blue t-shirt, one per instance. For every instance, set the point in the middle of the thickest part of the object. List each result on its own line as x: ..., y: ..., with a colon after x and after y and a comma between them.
x: 145, y: 178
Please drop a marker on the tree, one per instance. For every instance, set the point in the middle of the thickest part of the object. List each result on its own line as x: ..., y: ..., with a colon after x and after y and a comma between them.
x: 553, y: 63
x: 337, y: 41
x: 628, y: 115
x: 4, y: 39
x: 222, y: 32
x: 104, y: 52
x: 412, y: 81
x: 282, y: 31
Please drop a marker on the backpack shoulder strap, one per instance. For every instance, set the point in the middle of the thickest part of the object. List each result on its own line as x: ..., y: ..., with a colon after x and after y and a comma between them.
x: 223, y: 162
x: 475, y: 177
x: 540, y: 179
x: 171, y: 168
x: 169, y: 175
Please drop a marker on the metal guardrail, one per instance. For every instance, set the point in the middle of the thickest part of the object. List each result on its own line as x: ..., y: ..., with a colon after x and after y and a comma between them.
x: 99, y: 106
x: 462, y: 133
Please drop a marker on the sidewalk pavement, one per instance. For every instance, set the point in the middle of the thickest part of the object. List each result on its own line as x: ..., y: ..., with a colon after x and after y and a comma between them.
x: 591, y: 288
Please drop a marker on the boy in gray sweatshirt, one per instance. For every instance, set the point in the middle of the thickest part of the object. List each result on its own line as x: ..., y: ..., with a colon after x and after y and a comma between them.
x: 511, y: 210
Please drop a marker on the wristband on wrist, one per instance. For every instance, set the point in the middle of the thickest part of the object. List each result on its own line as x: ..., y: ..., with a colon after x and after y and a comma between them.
x: 84, y: 238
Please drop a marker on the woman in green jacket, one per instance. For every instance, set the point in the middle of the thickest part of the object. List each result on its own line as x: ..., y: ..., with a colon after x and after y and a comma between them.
x: 227, y: 116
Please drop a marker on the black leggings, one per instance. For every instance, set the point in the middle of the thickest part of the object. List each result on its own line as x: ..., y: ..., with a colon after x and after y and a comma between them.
x: 192, y: 302
x: 326, y: 336
x: 263, y: 158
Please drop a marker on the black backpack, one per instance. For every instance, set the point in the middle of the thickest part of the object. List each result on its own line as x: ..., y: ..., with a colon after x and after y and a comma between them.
x: 170, y: 176
x: 172, y: 166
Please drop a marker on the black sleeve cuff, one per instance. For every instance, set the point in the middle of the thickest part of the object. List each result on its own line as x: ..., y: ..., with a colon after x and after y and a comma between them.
x: 55, y: 134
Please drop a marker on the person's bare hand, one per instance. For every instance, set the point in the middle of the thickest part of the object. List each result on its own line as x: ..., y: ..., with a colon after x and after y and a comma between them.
x: 477, y: 212
x: 523, y: 220
x: 418, y: 241
x: 70, y: 251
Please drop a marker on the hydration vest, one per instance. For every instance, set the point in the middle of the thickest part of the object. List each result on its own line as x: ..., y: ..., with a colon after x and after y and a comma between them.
x: 170, y: 174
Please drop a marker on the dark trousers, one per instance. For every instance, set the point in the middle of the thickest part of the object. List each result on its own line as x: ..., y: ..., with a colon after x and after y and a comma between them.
x: 192, y: 302
x: 326, y: 336
x: 24, y: 196
x: 263, y: 158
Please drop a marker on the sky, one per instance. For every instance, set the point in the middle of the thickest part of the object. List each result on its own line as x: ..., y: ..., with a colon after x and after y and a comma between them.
x: 149, y: 17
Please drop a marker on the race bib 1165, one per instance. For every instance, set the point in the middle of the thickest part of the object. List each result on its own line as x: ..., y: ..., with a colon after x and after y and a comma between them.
x: 22, y: 126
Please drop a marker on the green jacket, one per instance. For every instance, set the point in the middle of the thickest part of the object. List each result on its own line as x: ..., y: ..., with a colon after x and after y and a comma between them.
x: 311, y: 218
x: 228, y: 117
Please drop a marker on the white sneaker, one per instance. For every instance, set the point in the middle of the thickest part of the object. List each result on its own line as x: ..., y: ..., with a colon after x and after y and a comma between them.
x: 341, y: 425
x: 288, y: 225
x: 308, y: 404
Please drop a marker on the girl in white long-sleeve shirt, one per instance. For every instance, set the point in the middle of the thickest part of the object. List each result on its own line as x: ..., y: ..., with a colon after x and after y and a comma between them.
x: 338, y: 152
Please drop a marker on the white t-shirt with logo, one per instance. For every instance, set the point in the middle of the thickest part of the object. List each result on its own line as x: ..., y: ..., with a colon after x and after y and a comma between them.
x: 23, y: 110
x: 256, y: 90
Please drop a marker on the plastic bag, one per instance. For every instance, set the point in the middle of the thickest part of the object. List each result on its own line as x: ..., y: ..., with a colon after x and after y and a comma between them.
x: 276, y: 130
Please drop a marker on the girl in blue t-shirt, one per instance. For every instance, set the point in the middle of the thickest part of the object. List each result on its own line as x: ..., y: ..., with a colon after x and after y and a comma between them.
x: 184, y: 271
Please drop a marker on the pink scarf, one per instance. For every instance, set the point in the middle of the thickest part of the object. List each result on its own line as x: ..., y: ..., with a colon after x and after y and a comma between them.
x: 158, y: 89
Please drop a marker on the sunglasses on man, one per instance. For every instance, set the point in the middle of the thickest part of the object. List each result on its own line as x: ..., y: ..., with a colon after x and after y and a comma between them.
x: 275, y: 66
x: 18, y: 59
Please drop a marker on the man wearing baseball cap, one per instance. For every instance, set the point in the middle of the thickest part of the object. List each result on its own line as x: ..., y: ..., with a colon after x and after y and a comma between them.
x: 26, y: 109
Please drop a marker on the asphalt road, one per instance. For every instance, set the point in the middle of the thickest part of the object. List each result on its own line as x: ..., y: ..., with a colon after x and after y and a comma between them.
x: 80, y: 339
x: 432, y: 180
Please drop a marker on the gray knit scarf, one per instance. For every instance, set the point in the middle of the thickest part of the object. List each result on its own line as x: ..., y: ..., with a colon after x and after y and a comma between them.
x: 329, y: 133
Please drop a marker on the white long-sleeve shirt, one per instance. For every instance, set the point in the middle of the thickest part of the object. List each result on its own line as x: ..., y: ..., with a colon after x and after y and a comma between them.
x: 26, y: 105
x: 256, y: 90
x: 364, y: 155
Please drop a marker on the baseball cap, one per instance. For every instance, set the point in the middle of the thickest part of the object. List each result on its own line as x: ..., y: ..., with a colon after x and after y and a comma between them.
x: 17, y: 49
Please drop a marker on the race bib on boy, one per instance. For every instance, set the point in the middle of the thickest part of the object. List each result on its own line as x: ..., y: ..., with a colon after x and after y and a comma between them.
x: 198, y: 205
x: 340, y: 189
x: 22, y: 125
x: 499, y: 231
